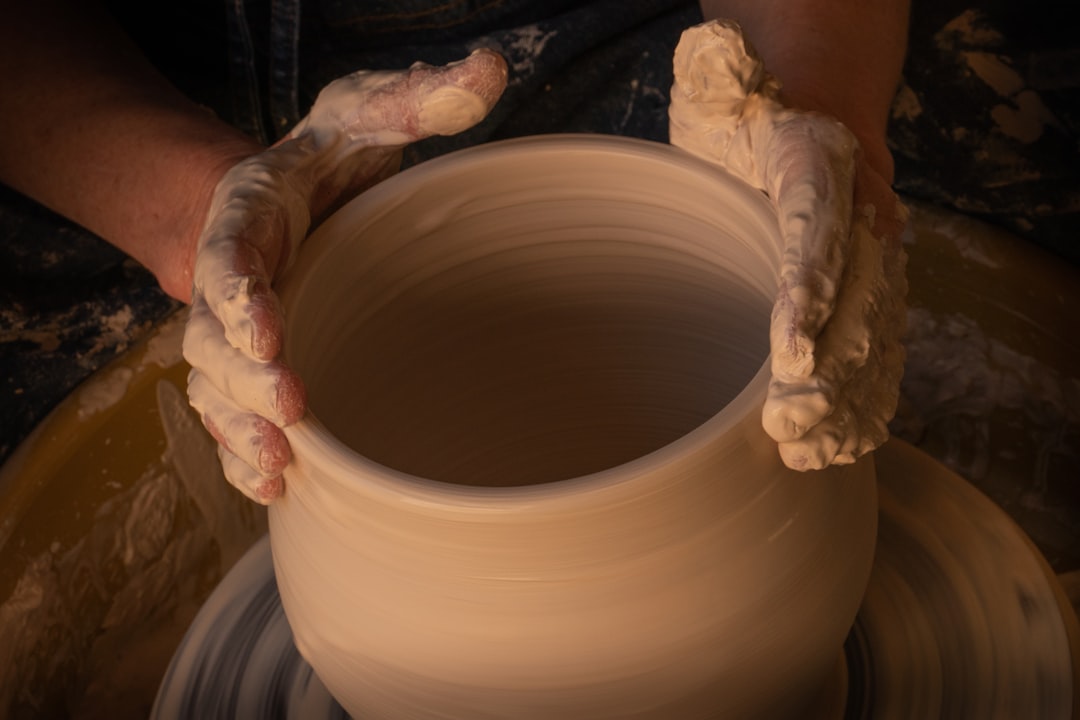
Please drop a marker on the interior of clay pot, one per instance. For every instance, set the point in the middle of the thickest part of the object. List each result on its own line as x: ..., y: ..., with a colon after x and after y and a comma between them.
x: 533, y: 311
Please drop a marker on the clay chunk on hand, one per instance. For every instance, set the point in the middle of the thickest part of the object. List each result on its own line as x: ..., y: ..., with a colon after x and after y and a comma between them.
x: 837, y: 325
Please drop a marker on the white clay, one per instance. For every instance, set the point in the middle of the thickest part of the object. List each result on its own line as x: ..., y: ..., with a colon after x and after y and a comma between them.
x: 839, y: 316
x: 533, y: 482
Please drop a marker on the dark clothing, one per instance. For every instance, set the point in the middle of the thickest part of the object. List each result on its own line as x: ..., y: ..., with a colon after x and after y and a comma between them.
x: 988, y: 118
x: 596, y: 66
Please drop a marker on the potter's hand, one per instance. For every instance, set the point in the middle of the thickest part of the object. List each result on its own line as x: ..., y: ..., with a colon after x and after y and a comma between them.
x: 838, y: 318
x: 262, y: 209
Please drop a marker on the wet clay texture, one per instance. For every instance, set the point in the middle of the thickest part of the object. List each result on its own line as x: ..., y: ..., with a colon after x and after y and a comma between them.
x: 533, y: 479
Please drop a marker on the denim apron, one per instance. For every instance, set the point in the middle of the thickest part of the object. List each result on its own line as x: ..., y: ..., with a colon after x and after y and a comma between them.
x: 596, y: 66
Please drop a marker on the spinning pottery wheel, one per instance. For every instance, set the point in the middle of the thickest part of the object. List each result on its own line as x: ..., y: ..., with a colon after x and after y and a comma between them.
x: 961, y: 619
x: 962, y: 616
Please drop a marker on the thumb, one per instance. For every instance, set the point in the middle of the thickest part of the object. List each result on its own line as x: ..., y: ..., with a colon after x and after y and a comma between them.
x: 397, y: 107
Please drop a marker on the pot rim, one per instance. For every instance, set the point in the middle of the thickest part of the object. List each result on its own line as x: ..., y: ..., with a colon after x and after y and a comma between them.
x: 328, y: 456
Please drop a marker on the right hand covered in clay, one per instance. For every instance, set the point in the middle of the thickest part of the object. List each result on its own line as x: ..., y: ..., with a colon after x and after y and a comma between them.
x: 262, y: 210
x: 837, y: 324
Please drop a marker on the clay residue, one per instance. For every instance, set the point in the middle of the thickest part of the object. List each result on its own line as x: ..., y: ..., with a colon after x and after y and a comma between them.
x: 994, y: 71
x: 956, y: 370
x: 102, y: 617
x: 1021, y: 115
x: 108, y: 388
x: 970, y: 246
x: 13, y: 328
x: 1025, y: 118
x: 233, y: 522
x: 163, y: 349
x: 104, y: 391
x: 997, y: 416
x: 111, y: 332
x: 968, y: 28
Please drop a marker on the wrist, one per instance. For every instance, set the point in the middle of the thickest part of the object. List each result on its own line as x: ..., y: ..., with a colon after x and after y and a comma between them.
x: 842, y: 58
x: 170, y: 256
x: 865, y: 124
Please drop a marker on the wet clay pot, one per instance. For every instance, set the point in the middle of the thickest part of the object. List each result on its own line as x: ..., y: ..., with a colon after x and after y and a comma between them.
x: 533, y: 480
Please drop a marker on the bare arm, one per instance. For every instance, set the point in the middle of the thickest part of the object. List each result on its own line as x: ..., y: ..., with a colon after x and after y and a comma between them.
x: 92, y: 131
x: 840, y: 57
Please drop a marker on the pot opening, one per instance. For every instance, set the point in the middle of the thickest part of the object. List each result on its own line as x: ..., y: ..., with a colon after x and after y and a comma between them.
x: 517, y: 342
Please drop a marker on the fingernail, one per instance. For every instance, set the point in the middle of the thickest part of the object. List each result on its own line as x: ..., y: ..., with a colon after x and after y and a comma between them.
x: 273, y: 459
x: 269, y: 489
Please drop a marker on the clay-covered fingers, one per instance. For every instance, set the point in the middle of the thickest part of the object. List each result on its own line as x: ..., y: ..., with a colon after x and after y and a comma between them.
x: 257, y: 219
x: 234, y: 332
x: 841, y: 410
x: 352, y: 137
x: 385, y: 108
x: 262, y: 208
x: 809, y: 172
x: 252, y: 438
x: 253, y: 451
x: 262, y: 489
x: 243, y: 403
x: 266, y: 388
x: 838, y: 315
x: 837, y: 324
x: 858, y: 421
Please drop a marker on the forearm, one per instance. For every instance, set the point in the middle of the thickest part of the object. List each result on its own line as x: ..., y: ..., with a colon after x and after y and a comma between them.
x: 92, y: 131
x: 841, y: 57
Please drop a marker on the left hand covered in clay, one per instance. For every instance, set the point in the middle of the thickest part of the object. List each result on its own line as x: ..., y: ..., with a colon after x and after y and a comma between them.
x: 839, y: 315
x: 262, y: 210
